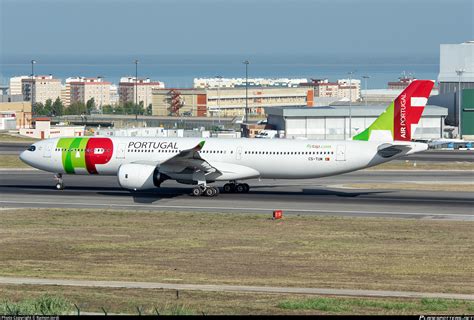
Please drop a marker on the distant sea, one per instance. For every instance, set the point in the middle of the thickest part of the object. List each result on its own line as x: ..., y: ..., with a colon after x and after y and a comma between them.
x: 180, y: 70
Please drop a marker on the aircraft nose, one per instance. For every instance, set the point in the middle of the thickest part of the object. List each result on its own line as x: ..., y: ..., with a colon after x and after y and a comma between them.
x: 26, y: 157
x: 23, y: 156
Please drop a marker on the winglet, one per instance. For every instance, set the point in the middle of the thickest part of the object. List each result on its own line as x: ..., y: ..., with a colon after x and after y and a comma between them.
x: 199, y: 146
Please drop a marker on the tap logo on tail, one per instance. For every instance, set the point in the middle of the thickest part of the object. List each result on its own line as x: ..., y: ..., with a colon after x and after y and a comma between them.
x: 399, y: 120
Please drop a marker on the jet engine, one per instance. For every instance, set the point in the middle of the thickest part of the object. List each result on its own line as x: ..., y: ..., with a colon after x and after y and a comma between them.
x: 136, y: 176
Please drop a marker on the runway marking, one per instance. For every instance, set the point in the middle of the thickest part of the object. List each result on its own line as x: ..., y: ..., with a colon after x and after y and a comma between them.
x: 232, y: 288
x: 151, y: 206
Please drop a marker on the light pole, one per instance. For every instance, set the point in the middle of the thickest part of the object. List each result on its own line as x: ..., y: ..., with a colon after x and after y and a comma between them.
x: 365, y: 95
x: 101, y: 93
x: 219, y: 97
x: 136, y: 89
x: 246, y: 62
x: 459, y: 73
x: 32, y: 84
x: 350, y: 103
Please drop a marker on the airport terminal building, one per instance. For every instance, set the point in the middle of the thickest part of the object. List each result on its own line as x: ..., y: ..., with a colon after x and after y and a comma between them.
x: 332, y: 123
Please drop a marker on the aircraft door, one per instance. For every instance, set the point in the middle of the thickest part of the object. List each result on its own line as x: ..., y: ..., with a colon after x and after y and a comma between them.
x: 341, y: 153
x: 238, y: 153
x: 121, y: 151
x: 47, y: 150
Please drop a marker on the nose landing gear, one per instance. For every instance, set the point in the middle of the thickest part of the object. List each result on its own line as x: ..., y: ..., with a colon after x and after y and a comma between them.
x: 59, y: 181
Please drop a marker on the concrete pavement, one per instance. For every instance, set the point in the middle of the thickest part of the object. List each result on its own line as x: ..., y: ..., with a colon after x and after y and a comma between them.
x: 231, y: 288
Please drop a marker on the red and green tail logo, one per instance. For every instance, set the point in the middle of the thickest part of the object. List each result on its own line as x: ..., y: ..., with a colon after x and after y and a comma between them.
x: 84, y: 153
x: 398, y: 121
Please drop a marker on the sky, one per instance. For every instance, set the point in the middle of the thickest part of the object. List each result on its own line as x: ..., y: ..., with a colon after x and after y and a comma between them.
x: 327, y: 28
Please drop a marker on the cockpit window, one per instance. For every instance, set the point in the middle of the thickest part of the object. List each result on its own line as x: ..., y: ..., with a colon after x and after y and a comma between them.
x: 31, y: 148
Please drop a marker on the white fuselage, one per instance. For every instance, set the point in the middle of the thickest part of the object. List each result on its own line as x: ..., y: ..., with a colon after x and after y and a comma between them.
x: 262, y: 158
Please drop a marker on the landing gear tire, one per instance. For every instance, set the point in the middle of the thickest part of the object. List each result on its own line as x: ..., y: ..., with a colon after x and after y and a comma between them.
x: 197, y: 191
x: 240, y: 188
x: 59, y: 186
x: 210, y: 192
x: 229, y: 187
x: 246, y: 187
x: 205, y: 191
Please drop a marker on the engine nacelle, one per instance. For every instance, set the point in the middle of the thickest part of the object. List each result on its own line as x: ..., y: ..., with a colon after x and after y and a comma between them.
x: 137, y: 176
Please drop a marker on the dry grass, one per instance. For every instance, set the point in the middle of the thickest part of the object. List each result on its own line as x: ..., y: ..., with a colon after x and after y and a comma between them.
x: 425, y: 165
x: 12, y: 161
x: 303, y: 251
x: 149, y: 301
x: 5, y: 137
x: 460, y: 187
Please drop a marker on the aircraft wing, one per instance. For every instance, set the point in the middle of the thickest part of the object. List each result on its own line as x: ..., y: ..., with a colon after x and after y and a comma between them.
x: 189, y: 159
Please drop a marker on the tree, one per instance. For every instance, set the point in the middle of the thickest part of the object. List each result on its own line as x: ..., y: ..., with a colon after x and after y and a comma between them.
x: 57, y: 109
x: 129, y: 108
x: 38, y: 109
x: 90, y: 104
x: 47, y: 107
x: 107, y: 109
x: 139, y: 109
x: 76, y: 108
x: 119, y: 109
x: 149, y: 110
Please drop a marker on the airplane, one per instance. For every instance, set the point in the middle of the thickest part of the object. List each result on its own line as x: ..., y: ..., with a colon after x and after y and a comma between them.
x: 144, y: 163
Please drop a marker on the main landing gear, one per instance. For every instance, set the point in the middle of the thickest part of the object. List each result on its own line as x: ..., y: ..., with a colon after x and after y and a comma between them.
x: 203, y: 190
x: 207, y: 191
x: 236, y: 187
x: 59, y: 181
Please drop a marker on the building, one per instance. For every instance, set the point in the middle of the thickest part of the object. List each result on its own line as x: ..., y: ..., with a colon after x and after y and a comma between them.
x: 204, y: 83
x: 21, y: 110
x: 114, y: 95
x: 84, y: 89
x: 144, y: 89
x: 467, y: 116
x: 347, y: 89
x: 227, y: 102
x: 332, y: 123
x: 42, y: 129
x: 16, y: 85
x: 453, y: 58
x: 401, y: 84
x: 66, y: 90
x: 378, y: 96
x: 7, y: 120
x: 456, y: 68
x: 41, y: 88
x: 323, y: 88
x: 66, y: 94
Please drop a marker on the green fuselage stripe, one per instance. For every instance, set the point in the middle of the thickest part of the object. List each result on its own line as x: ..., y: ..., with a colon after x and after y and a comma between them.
x: 73, y: 153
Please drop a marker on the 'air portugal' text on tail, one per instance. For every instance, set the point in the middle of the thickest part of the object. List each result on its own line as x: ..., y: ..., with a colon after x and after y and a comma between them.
x: 399, y: 120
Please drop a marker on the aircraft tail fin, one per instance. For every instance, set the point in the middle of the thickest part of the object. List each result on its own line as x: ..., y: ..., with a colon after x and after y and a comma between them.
x: 399, y: 120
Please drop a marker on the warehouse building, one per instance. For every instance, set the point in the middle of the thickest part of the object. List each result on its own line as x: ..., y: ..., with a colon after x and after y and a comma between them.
x: 332, y: 123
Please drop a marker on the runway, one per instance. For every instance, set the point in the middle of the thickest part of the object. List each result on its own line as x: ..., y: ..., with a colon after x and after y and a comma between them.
x: 34, y: 189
